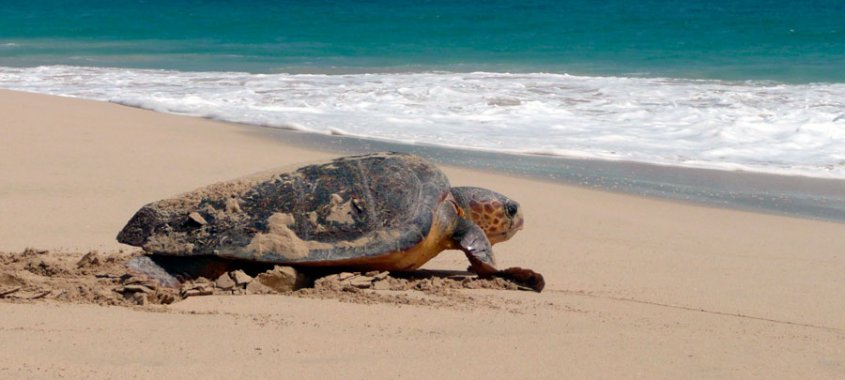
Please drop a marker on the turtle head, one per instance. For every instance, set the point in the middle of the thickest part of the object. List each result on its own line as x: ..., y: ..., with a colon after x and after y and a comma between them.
x: 499, y: 216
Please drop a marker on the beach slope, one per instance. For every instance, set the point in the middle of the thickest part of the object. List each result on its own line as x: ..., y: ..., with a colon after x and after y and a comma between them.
x: 636, y: 287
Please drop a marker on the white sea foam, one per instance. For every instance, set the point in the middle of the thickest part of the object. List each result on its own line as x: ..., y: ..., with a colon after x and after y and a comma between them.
x: 778, y: 128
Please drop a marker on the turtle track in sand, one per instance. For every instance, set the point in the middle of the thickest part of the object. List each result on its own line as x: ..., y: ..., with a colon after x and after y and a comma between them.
x: 96, y: 278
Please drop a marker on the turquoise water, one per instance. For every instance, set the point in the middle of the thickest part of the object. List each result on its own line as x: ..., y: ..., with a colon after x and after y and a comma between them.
x: 777, y: 40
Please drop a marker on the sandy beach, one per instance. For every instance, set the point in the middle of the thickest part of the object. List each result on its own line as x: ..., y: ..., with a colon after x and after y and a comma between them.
x: 636, y: 287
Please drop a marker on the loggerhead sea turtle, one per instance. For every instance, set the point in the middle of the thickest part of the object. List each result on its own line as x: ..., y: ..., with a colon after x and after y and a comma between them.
x: 381, y: 211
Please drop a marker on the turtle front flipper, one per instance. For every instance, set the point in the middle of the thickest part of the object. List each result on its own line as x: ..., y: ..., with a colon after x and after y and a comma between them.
x: 523, y: 276
x: 473, y: 241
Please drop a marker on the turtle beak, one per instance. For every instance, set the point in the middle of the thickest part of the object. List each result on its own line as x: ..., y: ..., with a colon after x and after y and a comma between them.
x: 518, y: 224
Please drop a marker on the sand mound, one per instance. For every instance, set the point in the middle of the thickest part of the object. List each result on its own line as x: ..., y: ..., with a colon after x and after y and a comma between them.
x: 103, y: 279
x: 89, y: 278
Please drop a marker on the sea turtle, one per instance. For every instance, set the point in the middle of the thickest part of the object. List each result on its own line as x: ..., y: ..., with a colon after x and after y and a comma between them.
x: 381, y: 211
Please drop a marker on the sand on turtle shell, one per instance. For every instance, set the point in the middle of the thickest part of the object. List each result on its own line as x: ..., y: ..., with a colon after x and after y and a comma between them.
x: 103, y: 279
x: 279, y: 238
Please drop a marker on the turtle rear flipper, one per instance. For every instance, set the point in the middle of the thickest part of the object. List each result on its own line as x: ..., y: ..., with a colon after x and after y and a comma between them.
x: 171, y: 271
x: 145, y: 267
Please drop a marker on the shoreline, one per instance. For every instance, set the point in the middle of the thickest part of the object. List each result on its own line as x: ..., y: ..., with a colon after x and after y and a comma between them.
x: 815, y: 198
x: 688, y: 126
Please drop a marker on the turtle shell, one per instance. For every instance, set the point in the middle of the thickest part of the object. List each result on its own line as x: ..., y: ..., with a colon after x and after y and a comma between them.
x: 351, y: 207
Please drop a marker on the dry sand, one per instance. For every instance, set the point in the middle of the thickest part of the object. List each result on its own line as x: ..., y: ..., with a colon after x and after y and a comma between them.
x: 636, y: 287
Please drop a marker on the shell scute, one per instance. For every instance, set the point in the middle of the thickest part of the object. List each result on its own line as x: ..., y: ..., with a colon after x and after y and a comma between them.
x: 350, y: 207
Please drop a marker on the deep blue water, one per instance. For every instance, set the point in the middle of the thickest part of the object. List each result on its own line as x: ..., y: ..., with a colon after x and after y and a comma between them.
x: 777, y: 40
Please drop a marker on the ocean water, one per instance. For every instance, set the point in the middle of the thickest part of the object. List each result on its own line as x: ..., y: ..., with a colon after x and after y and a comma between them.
x: 753, y: 85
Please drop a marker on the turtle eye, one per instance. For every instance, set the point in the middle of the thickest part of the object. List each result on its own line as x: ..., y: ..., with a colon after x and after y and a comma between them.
x: 511, y: 208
